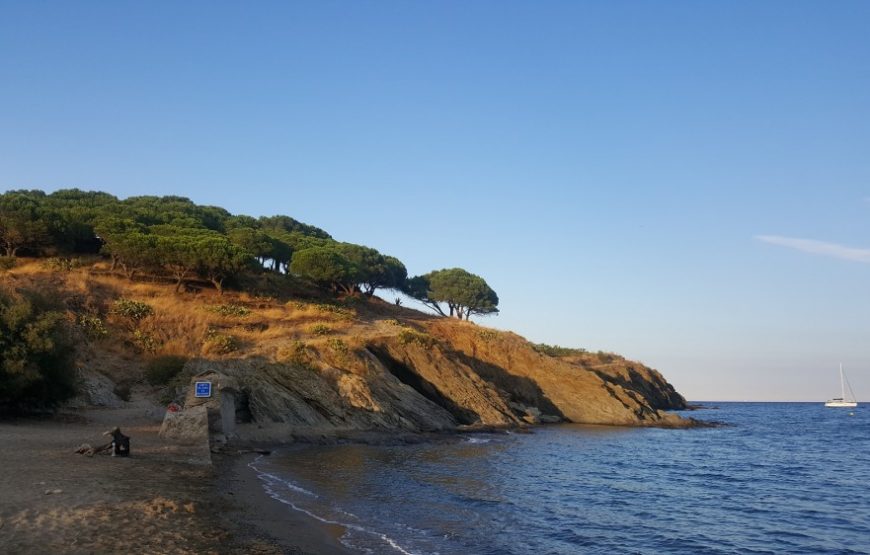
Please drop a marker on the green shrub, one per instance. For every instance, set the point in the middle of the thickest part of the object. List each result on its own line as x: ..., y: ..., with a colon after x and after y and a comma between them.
x: 221, y: 342
x: 161, y: 370
x: 36, y: 351
x: 409, y: 337
x: 132, y: 310
x: 93, y: 326
x: 342, y: 312
x: 338, y: 346
x: 145, y: 341
x: 232, y: 310
x: 320, y: 329
x: 7, y: 263
x: 557, y: 351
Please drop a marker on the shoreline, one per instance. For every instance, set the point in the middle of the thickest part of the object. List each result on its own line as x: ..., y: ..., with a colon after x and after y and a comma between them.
x: 261, y: 524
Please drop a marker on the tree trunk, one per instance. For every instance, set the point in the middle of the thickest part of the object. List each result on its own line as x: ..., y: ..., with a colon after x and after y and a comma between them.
x: 219, y: 285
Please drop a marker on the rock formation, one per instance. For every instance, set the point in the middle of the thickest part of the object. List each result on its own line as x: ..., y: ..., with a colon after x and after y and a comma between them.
x: 440, y: 375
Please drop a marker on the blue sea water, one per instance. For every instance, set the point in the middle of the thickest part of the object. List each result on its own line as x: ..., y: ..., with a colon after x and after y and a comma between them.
x: 778, y: 478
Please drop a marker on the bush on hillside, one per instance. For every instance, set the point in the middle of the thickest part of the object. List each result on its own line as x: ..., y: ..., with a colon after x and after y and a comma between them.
x: 219, y: 343
x: 93, y: 326
x: 557, y: 351
x: 320, y: 329
x: 410, y: 337
x: 230, y: 310
x: 132, y: 310
x: 36, y: 352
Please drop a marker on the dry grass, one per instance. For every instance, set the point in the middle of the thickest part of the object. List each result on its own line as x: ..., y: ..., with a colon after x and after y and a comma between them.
x: 203, y: 323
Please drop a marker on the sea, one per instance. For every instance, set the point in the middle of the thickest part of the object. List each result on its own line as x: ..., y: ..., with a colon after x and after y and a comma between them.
x: 772, y: 478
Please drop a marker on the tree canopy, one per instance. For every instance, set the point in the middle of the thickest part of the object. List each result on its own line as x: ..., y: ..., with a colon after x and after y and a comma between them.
x: 464, y: 293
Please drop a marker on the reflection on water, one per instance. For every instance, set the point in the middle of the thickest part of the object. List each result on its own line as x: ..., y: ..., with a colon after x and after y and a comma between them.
x: 769, y: 482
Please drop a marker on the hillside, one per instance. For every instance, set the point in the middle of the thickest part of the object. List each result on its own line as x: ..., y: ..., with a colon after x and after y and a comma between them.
x: 304, y: 364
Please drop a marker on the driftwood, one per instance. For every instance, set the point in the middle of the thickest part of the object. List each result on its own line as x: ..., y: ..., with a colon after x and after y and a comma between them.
x: 86, y: 449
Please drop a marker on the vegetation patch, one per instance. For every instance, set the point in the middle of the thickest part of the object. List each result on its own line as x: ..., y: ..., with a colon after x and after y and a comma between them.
x: 62, y: 264
x: 488, y: 335
x: 161, y: 370
x: 331, y: 309
x: 338, y: 346
x: 230, y: 310
x: 412, y: 337
x: 135, y: 311
x: 7, y: 263
x: 145, y: 341
x: 92, y: 326
x: 220, y: 342
x: 557, y: 351
x: 296, y: 353
x: 36, y: 351
x: 320, y: 329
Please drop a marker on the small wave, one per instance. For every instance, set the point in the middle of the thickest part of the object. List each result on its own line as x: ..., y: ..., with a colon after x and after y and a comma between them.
x: 262, y: 474
x: 477, y: 440
x: 269, y: 480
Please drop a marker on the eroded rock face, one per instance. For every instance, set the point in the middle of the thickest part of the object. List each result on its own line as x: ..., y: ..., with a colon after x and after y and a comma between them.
x: 302, y: 398
x: 95, y: 390
x: 556, y: 387
x: 461, y: 375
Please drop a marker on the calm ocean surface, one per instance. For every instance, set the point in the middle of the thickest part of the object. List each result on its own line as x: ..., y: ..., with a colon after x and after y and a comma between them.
x: 780, y: 478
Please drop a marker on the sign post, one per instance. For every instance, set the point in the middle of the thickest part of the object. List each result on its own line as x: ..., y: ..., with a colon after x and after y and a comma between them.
x: 202, y: 389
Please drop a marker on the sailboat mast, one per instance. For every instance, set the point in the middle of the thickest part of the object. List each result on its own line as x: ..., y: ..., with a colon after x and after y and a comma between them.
x: 842, y: 384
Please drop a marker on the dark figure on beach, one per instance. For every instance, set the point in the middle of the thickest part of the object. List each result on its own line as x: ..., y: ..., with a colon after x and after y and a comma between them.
x: 120, y: 443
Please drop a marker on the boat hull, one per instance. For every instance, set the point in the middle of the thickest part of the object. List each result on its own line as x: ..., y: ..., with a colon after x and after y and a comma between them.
x: 847, y: 404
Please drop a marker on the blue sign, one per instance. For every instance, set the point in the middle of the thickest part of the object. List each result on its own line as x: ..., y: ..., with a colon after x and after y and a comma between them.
x: 203, y: 389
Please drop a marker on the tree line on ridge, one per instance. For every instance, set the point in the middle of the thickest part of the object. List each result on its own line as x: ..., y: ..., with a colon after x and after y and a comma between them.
x: 173, y: 237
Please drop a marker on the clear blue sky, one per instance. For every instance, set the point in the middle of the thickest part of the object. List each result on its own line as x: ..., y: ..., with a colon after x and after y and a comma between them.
x: 628, y: 176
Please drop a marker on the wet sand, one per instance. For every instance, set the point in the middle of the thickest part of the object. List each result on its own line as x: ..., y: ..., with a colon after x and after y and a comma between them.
x: 162, y: 499
x: 266, y: 519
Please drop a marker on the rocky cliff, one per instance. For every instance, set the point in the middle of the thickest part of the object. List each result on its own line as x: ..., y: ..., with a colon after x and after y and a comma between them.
x: 432, y: 375
x: 309, y: 366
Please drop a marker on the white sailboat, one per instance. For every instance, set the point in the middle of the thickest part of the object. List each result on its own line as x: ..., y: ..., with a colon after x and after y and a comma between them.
x: 841, y: 401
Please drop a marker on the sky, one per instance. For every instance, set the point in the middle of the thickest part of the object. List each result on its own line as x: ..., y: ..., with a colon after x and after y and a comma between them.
x: 684, y: 183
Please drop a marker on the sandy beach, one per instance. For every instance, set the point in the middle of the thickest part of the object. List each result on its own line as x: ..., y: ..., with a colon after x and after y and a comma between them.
x: 162, y: 499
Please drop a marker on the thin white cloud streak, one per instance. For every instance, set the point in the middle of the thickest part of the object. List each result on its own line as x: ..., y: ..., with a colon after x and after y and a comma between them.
x: 822, y: 248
